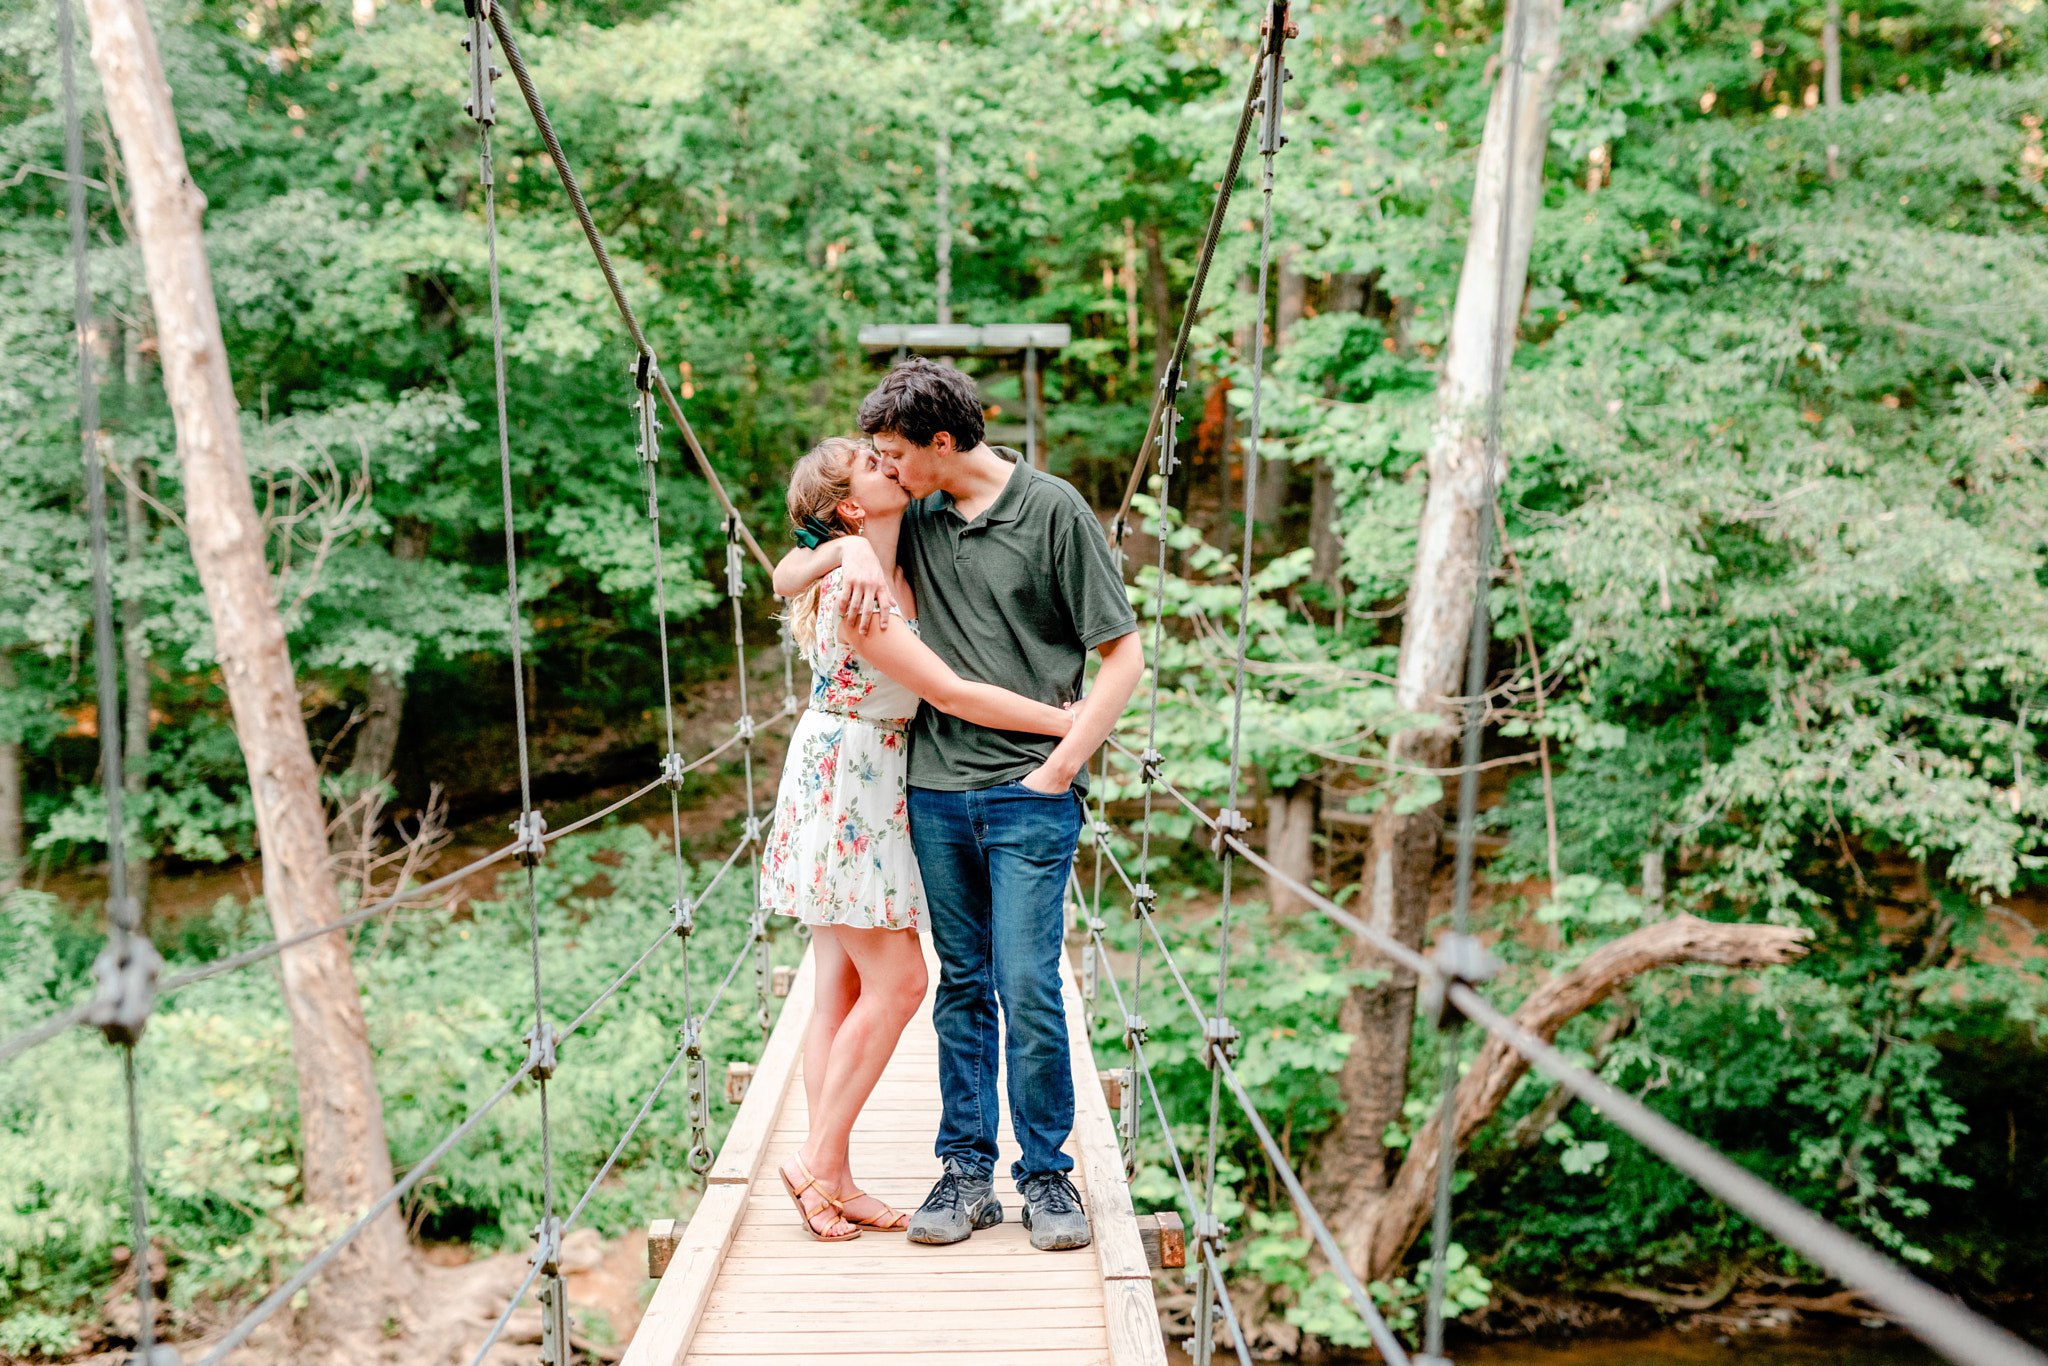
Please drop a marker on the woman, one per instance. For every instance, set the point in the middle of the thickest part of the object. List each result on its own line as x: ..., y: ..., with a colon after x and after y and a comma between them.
x: 840, y: 858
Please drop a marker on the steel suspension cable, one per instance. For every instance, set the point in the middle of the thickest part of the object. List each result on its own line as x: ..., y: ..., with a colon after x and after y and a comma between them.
x: 127, y: 967
x: 1500, y: 353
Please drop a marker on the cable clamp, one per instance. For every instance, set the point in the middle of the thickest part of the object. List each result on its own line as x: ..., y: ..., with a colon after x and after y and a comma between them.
x: 529, y: 837
x: 735, y: 563
x: 1229, y: 821
x: 540, y: 1050
x: 745, y: 726
x: 691, y: 1033
x: 126, y: 972
x: 789, y: 704
x: 1459, y: 959
x: 1149, y: 763
x: 547, y: 1248
x: 751, y: 832
x: 1134, y: 1031
x: 1218, y: 1034
x: 673, y: 770
x: 643, y: 372
x: 1207, y: 1229
x: 1144, y: 900
x: 481, y: 105
x: 1099, y: 829
x: 1096, y: 924
x: 681, y: 916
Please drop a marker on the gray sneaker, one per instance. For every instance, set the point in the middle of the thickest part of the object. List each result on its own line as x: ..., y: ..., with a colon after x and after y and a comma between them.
x: 960, y: 1203
x: 1053, y: 1213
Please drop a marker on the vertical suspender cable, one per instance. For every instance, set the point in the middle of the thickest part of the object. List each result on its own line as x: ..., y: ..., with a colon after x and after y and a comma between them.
x: 1499, y: 351
x: 127, y: 968
x: 1217, y: 1033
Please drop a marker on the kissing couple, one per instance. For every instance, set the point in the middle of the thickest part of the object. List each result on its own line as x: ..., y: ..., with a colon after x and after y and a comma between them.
x: 935, y: 784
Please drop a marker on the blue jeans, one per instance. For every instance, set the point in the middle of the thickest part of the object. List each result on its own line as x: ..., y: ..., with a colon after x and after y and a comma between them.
x: 995, y: 866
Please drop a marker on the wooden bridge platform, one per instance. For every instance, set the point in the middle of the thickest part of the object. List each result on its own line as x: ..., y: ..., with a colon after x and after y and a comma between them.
x: 746, y: 1287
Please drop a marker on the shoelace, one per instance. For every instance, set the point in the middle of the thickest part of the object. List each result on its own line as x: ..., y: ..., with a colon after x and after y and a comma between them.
x: 1054, y: 1191
x: 946, y: 1191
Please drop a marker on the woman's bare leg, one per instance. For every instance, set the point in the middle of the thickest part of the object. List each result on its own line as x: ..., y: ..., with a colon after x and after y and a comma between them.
x: 891, y: 970
x: 838, y: 989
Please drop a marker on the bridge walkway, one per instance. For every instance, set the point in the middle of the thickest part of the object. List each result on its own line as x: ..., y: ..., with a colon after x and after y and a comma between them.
x: 745, y: 1286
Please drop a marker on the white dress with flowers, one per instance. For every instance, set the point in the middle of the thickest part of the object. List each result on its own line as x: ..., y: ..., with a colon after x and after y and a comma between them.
x: 840, y: 852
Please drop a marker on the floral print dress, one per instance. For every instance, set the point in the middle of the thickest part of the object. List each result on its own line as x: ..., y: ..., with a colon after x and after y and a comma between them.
x: 840, y: 853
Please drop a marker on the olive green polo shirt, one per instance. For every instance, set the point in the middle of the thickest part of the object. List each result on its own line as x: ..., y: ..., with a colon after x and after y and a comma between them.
x: 1018, y: 597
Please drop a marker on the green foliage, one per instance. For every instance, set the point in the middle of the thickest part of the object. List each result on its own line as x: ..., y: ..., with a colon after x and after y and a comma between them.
x: 447, y: 1000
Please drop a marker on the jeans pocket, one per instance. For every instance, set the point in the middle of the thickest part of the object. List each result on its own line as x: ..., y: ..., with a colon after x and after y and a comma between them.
x: 1017, y: 784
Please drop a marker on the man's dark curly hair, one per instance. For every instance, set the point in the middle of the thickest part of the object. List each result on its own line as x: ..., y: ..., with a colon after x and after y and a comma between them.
x: 918, y: 399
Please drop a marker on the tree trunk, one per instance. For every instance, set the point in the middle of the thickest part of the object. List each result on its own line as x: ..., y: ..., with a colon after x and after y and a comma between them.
x: 377, y: 741
x: 1326, y: 569
x: 1831, y: 78
x: 1686, y: 939
x: 1275, y: 471
x: 1291, y: 845
x: 1158, y: 303
x: 135, y: 670
x: 1435, y: 627
x: 345, y: 1159
x: 12, y: 852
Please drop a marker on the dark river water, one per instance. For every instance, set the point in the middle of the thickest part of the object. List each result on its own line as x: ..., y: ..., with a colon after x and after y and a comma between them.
x: 1859, y: 1347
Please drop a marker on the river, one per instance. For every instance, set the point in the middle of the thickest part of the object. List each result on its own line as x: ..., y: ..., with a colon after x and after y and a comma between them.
x: 1700, y: 1347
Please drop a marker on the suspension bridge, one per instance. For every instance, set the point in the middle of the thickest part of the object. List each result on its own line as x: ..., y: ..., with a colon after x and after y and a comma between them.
x: 738, y: 1283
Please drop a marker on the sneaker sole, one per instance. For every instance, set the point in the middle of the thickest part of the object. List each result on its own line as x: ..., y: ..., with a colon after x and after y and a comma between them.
x: 990, y: 1215
x: 1087, y: 1239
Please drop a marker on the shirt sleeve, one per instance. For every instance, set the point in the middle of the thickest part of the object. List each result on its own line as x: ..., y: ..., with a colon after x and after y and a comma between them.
x: 1089, y: 583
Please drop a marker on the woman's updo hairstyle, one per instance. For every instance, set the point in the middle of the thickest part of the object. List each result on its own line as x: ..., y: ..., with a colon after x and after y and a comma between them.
x: 821, y: 481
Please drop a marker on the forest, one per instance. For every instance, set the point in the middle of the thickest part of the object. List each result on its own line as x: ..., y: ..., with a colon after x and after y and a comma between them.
x: 1769, y: 621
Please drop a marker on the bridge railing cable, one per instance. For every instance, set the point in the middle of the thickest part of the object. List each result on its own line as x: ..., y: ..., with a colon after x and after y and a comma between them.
x: 1459, y: 964
x: 128, y: 970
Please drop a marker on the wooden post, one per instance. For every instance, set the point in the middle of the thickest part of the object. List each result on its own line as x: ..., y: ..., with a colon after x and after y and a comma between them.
x: 347, y: 1164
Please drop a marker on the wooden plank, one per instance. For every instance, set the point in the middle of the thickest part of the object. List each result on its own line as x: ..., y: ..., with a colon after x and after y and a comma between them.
x: 1165, y: 1240
x: 907, y: 1337
x: 902, y: 1280
x: 740, y: 1155
x: 1134, y: 1336
x: 856, y: 1301
x: 1017, y: 1324
x: 825, y: 1355
x: 685, y: 1287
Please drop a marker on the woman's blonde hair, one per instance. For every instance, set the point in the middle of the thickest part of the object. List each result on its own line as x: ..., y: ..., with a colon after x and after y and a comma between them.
x: 821, y: 481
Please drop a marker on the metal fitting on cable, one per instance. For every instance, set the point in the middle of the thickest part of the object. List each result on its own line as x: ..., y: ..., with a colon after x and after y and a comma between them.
x: 1207, y: 1230
x: 1096, y: 924
x: 481, y: 105
x: 547, y: 1246
x: 1099, y: 829
x: 1134, y: 1031
x: 125, y: 976
x: 764, y: 969
x: 1090, y: 986
x: 1461, y: 959
x: 673, y: 770
x: 1218, y: 1034
x: 1170, y: 385
x: 1144, y: 900
x: 1229, y: 821
x: 540, y: 1051
x: 735, y: 562
x: 529, y: 836
x: 745, y: 726
x: 682, y: 916
x: 751, y: 832
x: 1149, y: 763
x: 644, y: 367
x: 700, y: 1097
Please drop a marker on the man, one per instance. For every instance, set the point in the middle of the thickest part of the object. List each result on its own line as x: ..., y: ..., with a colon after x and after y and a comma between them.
x: 1014, y: 587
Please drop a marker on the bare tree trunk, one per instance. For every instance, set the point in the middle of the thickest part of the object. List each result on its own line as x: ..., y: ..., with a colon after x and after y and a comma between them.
x: 11, y: 848
x: 377, y: 741
x: 346, y: 1162
x: 1438, y: 619
x: 1291, y: 845
x: 135, y: 670
x: 1686, y: 939
x: 1158, y: 302
x: 1326, y: 568
x: 1276, y: 471
x: 1831, y: 78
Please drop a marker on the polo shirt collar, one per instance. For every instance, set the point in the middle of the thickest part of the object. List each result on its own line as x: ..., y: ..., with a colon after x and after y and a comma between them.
x: 1009, y: 504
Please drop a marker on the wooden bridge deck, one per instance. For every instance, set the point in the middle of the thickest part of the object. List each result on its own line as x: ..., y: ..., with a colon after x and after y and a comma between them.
x: 746, y: 1287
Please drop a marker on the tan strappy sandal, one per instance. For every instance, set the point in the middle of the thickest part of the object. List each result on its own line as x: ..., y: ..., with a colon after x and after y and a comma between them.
x: 805, y: 1215
x: 890, y: 1220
